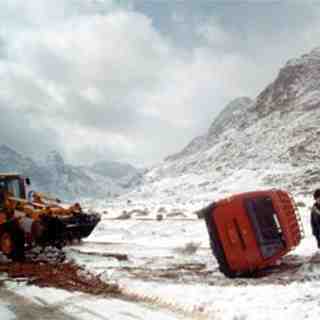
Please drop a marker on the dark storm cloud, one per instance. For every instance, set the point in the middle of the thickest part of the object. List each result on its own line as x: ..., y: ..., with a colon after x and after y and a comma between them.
x: 136, y: 80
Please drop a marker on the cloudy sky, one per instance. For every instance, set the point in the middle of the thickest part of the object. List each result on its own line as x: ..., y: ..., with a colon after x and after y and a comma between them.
x: 136, y: 80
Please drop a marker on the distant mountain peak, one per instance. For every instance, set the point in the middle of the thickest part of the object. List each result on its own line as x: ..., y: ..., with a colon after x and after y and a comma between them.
x: 68, y: 181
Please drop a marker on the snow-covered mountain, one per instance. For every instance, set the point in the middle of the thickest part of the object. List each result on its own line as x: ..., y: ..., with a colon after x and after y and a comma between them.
x: 68, y: 181
x: 272, y: 141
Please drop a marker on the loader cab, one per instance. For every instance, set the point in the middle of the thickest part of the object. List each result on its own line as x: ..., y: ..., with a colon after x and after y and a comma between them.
x: 12, y: 185
x: 251, y: 231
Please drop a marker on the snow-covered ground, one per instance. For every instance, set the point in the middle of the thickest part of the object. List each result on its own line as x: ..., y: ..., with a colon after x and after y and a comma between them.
x: 170, y: 273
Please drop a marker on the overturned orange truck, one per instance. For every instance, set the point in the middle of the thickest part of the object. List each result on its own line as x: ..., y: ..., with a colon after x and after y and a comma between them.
x: 251, y: 231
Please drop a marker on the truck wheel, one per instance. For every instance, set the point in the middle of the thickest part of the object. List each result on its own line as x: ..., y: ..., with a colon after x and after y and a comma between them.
x: 12, y: 243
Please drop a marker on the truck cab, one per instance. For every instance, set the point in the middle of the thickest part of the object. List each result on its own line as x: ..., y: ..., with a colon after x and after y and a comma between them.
x: 251, y: 231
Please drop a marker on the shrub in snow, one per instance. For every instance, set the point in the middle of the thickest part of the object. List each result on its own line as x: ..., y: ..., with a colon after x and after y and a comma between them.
x: 176, y: 214
x: 124, y: 215
x: 139, y: 212
x: 189, y: 248
x: 159, y: 217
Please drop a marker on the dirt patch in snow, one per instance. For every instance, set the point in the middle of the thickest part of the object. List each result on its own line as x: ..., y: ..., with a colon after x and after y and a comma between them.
x: 67, y: 275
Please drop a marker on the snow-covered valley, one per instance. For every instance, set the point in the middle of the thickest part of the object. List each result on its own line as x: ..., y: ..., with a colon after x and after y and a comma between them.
x: 166, y: 271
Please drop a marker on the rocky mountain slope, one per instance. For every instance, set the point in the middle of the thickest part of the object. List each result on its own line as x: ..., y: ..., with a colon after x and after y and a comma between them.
x: 68, y: 181
x: 273, y: 141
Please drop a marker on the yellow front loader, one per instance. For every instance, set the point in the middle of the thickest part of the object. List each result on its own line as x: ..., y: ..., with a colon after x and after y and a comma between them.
x: 32, y: 218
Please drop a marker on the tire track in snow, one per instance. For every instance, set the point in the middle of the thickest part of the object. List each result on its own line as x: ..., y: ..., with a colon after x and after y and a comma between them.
x: 192, y: 312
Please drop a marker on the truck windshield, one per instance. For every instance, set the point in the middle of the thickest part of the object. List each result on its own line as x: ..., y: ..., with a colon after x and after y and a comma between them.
x: 266, y: 226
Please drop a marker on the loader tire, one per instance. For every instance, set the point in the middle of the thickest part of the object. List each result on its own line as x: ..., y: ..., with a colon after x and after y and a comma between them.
x: 12, y: 242
x: 54, y: 232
